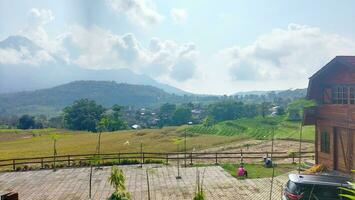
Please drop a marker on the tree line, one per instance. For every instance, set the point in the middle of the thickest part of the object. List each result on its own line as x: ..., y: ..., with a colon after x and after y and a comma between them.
x: 85, y: 114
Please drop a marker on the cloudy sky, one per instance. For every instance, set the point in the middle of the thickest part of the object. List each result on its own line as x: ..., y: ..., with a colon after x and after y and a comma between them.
x: 215, y: 47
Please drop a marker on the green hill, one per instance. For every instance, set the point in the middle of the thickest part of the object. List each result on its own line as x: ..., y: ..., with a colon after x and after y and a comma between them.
x: 107, y: 93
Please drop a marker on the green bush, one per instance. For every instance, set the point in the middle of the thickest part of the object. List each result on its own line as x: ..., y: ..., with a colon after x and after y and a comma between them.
x: 129, y: 162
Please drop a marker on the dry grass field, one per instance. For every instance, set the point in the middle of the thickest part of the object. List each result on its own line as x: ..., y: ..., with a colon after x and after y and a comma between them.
x: 30, y: 143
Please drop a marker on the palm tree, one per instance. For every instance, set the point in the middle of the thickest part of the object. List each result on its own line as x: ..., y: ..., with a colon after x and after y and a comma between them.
x: 54, y: 137
x: 102, y: 126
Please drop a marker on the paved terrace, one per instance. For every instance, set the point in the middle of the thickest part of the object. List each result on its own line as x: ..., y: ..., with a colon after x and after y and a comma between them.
x: 73, y: 184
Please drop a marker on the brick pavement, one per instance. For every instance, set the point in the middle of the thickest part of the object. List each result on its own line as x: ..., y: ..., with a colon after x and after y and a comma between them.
x: 73, y: 184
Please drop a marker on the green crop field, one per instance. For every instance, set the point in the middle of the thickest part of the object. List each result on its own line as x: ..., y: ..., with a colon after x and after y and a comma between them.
x: 258, y: 128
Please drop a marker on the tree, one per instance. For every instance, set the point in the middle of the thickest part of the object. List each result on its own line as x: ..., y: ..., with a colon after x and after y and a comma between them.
x: 26, y: 122
x: 56, y: 122
x: 117, y: 180
x: 229, y: 110
x: 55, y: 138
x: 115, y: 121
x: 181, y: 116
x: 208, y: 121
x: 264, y: 108
x: 84, y: 114
x: 296, y: 108
x: 166, y: 113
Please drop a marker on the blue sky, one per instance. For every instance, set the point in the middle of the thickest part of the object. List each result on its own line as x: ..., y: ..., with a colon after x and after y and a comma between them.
x: 214, y: 47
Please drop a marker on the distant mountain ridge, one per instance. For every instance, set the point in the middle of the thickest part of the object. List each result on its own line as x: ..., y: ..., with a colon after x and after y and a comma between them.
x: 106, y: 93
x: 22, y: 76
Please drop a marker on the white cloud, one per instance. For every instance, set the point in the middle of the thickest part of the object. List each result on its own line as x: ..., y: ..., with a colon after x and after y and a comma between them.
x: 100, y: 49
x: 35, y: 29
x: 40, y: 16
x: 179, y: 15
x: 23, y: 56
x: 288, y: 54
x: 140, y: 12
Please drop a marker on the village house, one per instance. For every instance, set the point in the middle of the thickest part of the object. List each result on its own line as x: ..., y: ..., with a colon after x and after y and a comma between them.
x: 333, y: 89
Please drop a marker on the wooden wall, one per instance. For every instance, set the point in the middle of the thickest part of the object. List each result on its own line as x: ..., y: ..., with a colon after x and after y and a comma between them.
x: 342, y: 140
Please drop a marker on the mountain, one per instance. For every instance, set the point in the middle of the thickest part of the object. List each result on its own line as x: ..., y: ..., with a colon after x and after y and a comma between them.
x: 51, y: 101
x: 26, y: 66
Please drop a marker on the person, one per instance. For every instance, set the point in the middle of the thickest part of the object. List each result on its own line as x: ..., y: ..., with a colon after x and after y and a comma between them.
x: 267, y: 162
x: 242, y: 172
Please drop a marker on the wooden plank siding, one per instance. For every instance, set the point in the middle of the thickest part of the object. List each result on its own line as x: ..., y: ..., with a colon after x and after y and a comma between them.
x: 334, y: 114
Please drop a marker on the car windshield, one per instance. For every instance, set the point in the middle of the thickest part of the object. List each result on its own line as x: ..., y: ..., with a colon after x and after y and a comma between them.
x: 315, y: 192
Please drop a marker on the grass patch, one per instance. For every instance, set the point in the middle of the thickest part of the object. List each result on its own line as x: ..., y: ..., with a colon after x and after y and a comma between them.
x: 258, y: 170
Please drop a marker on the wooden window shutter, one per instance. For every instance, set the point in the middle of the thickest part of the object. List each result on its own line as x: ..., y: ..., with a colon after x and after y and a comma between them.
x: 327, y: 95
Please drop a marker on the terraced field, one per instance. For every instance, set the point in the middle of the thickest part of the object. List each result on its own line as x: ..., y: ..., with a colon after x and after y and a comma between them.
x: 258, y: 128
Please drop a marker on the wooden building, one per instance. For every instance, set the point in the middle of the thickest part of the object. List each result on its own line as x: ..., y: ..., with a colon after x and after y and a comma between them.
x: 333, y: 89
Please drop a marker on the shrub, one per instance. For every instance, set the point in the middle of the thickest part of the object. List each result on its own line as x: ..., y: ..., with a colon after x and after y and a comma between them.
x: 117, y: 180
x: 199, y: 195
x: 155, y: 161
x: 25, y: 168
x: 129, y: 162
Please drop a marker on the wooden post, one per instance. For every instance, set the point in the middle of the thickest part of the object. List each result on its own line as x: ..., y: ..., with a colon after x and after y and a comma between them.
x: 191, y: 159
x: 143, y: 158
x: 300, y: 149
x: 90, y: 181
x: 42, y: 163
x: 272, y: 162
x: 148, y: 185
x: 293, y: 158
x: 68, y: 160
x: 167, y: 158
x: 216, y: 159
x: 241, y: 156
x: 14, y: 164
x: 141, y: 155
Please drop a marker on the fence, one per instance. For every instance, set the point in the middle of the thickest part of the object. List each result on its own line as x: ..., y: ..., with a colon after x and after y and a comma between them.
x: 147, y: 157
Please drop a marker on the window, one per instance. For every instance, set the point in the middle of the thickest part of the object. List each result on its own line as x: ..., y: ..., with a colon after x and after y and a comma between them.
x: 327, y: 95
x: 352, y: 95
x: 340, y: 95
x: 325, y: 142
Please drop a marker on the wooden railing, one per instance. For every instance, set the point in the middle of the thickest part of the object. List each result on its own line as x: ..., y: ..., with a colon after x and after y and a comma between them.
x: 145, y: 157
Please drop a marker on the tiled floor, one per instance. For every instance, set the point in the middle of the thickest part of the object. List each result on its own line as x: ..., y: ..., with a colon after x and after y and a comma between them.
x: 74, y: 184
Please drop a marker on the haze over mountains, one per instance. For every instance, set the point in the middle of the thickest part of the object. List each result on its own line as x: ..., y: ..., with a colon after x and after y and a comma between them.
x: 39, y: 69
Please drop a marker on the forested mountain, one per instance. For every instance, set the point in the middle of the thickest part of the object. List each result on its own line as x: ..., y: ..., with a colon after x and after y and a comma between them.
x: 106, y: 93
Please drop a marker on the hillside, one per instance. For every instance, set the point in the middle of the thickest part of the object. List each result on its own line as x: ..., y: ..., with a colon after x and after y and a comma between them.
x: 106, y: 93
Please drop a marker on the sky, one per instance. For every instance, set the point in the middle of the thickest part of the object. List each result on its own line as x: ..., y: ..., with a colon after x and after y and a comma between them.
x: 209, y: 47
